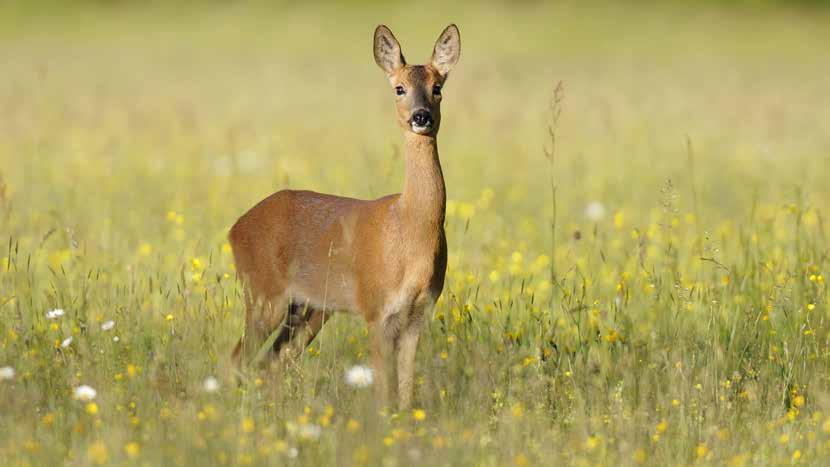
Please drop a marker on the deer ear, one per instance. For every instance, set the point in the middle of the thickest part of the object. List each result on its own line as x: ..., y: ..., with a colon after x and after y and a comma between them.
x: 447, y: 50
x: 388, y: 54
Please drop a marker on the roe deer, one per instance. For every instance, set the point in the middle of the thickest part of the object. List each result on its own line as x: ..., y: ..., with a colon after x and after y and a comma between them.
x: 301, y: 254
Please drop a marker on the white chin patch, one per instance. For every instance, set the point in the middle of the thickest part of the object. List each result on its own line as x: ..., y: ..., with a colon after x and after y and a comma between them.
x: 421, y: 129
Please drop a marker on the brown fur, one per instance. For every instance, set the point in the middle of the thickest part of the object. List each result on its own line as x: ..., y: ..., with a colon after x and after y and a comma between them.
x: 302, y: 255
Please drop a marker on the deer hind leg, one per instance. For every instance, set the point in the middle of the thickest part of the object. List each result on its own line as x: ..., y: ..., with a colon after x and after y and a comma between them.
x: 266, y: 301
x: 262, y: 317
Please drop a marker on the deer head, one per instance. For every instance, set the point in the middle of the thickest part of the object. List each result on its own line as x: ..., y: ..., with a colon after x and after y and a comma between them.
x: 418, y: 88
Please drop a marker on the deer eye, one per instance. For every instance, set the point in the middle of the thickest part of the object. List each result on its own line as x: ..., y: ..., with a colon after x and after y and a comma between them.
x: 436, y: 90
x: 399, y: 90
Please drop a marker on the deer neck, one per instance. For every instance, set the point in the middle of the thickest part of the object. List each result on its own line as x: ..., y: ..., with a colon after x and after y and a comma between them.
x: 424, y: 199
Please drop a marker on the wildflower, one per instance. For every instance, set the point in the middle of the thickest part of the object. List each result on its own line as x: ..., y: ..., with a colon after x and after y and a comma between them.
x: 131, y: 449
x: 85, y: 393
x: 66, y: 342
x: 55, y: 314
x: 701, y: 450
x: 169, y: 317
x: 591, y: 443
x: 211, y: 384
x: 6, y: 373
x: 247, y: 425
x: 595, y: 211
x: 92, y: 408
x: 292, y: 453
x: 359, y: 376
x: 98, y: 453
x: 352, y: 425
x: 145, y: 249
x: 419, y: 414
x: 107, y: 325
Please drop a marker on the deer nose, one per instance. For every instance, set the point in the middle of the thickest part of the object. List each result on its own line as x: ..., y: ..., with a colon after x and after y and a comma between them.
x: 422, y: 118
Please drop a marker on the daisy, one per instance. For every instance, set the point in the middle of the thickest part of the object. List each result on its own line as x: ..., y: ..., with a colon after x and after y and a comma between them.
x: 85, y: 393
x: 55, y: 314
x: 6, y: 373
x: 211, y: 384
x: 359, y: 376
x: 595, y: 211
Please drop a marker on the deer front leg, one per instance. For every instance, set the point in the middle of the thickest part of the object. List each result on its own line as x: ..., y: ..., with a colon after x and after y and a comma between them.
x: 407, y: 347
x: 381, y: 346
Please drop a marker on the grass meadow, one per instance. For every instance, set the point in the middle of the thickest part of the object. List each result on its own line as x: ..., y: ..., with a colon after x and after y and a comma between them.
x: 665, y: 304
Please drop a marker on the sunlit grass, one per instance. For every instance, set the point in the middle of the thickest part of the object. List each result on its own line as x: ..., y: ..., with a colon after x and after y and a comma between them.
x: 679, y: 317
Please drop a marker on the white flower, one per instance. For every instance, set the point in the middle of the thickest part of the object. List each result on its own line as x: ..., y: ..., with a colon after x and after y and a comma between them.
x: 310, y: 431
x: 211, y: 384
x: 85, y: 393
x: 116, y: 339
x: 66, y: 342
x: 6, y: 373
x: 55, y: 314
x: 292, y: 453
x: 595, y: 211
x: 107, y: 325
x: 359, y: 376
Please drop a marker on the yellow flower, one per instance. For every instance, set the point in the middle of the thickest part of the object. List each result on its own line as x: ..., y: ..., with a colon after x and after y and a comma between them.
x: 145, y: 249
x: 798, y: 401
x: 131, y: 449
x: 796, y: 455
x: 591, y: 443
x: 169, y: 317
x: 661, y: 427
x: 92, y: 408
x: 701, y: 450
x: 352, y: 425
x: 247, y: 425
x: 97, y: 453
x: 517, y: 410
x: 419, y: 414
